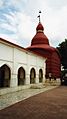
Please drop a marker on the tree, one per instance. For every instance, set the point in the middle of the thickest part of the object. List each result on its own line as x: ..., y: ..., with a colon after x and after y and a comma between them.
x: 62, y: 47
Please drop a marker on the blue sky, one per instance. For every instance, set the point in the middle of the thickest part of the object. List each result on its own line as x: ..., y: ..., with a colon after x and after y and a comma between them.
x: 18, y: 20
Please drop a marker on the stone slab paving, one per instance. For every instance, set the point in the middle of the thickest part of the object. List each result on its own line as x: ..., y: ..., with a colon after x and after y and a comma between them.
x: 12, y: 98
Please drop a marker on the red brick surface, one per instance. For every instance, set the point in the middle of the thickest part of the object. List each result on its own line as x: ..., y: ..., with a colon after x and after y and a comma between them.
x: 47, y: 105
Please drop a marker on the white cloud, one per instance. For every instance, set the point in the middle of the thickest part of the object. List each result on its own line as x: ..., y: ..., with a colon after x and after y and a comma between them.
x: 23, y: 22
x: 21, y: 25
x: 1, y: 3
x: 25, y: 26
x: 56, y: 4
x: 10, y: 23
x: 8, y: 38
x: 56, y: 25
x: 13, y: 2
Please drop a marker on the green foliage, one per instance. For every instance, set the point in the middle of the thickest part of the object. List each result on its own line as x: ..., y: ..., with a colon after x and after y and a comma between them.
x: 62, y: 47
x: 63, y: 73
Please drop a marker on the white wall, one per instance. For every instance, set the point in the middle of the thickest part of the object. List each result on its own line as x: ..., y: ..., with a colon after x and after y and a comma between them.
x: 16, y: 57
x: 6, y: 52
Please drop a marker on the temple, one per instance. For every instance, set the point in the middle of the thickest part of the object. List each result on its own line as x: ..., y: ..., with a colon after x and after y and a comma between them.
x: 40, y: 45
x: 23, y: 67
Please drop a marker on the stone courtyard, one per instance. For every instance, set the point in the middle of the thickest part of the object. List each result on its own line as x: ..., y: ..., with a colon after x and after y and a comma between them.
x: 13, y: 97
x: 50, y: 104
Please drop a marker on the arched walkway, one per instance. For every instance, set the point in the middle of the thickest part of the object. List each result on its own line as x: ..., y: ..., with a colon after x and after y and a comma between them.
x: 5, y: 75
x: 40, y: 76
x: 21, y: 76
x: 32, y: 76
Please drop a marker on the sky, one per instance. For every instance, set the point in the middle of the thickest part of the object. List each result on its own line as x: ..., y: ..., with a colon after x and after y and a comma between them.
x: 18, y: 20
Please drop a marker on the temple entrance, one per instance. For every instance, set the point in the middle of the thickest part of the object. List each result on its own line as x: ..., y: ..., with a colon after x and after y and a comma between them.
x: 5, y: 74
x: 32, y: 76
x: 21, y: 76
x: 40, y: 76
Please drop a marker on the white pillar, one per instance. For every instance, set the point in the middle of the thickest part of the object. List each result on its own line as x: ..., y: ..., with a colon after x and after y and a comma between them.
x: 44, y: 79
x: 37, y: 78
x: 27, y: 79
x: 58, y: 81
x: 14, y: 80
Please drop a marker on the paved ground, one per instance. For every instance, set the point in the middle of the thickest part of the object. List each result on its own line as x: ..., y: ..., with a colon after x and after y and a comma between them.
x: 51, y: 104
x: 12, y: 98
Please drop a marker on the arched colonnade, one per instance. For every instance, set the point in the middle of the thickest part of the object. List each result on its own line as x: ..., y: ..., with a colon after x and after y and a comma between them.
x: 5, y: 76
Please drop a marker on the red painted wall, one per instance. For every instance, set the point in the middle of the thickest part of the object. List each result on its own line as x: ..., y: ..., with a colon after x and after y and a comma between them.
x: 55, y: 65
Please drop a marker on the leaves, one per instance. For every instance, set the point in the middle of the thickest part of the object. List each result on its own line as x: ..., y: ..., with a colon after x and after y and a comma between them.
x: 62, y: 47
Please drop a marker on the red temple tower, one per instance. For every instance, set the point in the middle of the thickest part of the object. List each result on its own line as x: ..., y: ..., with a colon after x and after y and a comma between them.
x: 40, y: 45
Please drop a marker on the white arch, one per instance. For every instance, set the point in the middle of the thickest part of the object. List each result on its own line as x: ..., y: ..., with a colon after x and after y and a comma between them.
x: 32, y: 75
x: 21, y: 75
x: 6, y: 65
x: 5, y: 76
x: 20, y: 65
x: 40, y: 75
